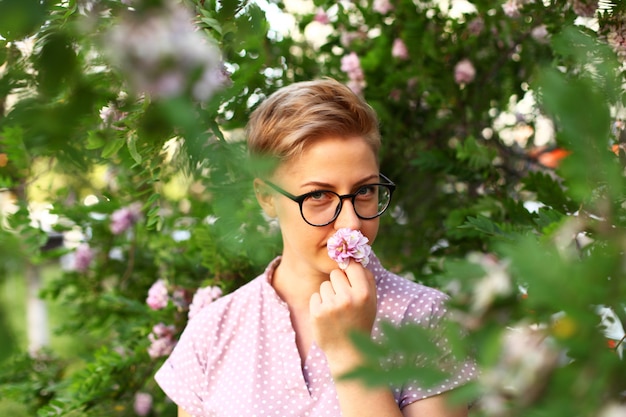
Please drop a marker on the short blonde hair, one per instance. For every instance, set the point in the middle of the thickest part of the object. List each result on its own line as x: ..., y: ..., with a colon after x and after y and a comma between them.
x: 295, y: 116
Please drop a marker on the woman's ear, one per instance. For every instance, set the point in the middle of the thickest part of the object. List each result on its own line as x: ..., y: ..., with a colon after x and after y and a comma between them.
x: 264, y: 197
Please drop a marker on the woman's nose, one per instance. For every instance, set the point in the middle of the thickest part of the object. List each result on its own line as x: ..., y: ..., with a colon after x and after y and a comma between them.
x: 347, y: 217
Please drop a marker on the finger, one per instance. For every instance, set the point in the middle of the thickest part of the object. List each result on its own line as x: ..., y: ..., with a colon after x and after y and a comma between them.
x: 340, y: 281
x: 359, y: 277
x: 315, y: 305
x: 327, y: 292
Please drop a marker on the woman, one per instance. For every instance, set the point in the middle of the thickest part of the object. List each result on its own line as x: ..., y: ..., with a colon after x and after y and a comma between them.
x: 277, y: 345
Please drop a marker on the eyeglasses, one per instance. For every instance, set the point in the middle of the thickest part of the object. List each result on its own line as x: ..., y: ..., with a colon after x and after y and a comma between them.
x: 322, y: 207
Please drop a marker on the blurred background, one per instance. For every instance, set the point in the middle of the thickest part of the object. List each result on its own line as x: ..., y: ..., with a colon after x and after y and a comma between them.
x: 126, y: 204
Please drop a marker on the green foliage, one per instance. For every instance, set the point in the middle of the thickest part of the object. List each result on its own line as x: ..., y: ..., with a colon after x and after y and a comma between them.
x: 33, y: 381
x: 401, y: 344
x: 461, y: 154
x: 21, y: 18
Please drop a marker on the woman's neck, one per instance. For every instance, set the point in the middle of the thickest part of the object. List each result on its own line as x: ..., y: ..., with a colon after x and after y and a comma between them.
x: 295, y: 282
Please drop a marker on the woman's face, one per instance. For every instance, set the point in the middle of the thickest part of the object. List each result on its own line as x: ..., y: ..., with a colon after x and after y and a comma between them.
x: 332, y: 163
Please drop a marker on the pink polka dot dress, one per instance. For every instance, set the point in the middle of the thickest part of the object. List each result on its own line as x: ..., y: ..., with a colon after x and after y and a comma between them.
x: 238, y: 355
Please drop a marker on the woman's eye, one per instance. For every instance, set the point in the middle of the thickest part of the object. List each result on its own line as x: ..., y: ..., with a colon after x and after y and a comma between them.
x: 318, y: 195
x: 366, y: 190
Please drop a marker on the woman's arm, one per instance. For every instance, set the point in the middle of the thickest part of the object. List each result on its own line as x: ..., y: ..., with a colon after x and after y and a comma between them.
x: 183, y: 413
x: 345, y: 303
x: 357, y: 399
x: 437, y: 406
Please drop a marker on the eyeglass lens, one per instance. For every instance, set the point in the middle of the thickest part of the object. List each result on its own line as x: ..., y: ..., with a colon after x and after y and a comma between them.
x: 322, y: 207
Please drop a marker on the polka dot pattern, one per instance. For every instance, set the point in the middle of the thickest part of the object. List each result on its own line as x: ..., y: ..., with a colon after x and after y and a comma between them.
x: 238, y: 355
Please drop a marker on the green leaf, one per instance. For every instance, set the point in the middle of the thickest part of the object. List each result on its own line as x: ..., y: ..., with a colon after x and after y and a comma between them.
x: 151, y: 200
x: 462, y: 269
x: 57, y: 63
x: 477, y: 155
x: 112, y: 148
x: 549, y: 191
x: 95, y: 140
x: 131, y: 144
x: 484, y: 225
x: 546, y: 217
x: 21, y: 18
x: 373, y: 351
x: 208, y: 19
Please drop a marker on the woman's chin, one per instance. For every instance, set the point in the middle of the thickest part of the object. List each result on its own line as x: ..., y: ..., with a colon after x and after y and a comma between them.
x: 328, y: 265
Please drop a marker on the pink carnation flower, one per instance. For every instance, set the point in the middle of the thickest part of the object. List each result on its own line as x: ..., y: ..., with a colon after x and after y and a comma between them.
x: 157, y: 295
x: 348, y: 244
x: 203, y: 297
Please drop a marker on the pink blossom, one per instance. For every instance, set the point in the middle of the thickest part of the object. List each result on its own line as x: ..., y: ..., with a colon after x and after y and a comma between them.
x: 348, y: 244
x: 540, y: 33
x: 83, y: 257
x: 382, y: 6
x: 346, y: 38
x: 203, y: 297
x: 614, y: 34
x: 111, y: 115
x: 158, y: 296
x: 356, y: 86
x: 161, y: 340
x: 142, y: 404
x: 163, y: 54
x: 399, y: 49
x: 124, y: 218
x: 476, y: 25
x: 161, y: 330
x: 212, y: 80
x: 511, y: 8
x: 351, y: 65
x: 180, y: 298
x: 321, y: 17
x: 464, y: 72
x: 585, y: 8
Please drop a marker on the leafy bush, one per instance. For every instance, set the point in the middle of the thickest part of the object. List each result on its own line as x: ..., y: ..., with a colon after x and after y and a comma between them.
x: 128, y: 122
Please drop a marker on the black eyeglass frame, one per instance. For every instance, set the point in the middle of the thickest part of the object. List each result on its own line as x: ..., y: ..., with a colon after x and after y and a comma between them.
x: 391, y: 186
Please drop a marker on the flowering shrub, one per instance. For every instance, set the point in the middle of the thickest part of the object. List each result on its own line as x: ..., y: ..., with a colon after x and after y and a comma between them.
x: 464, y: 72
x: 82, y: 257
x: 503, y: 130
x: 202, y: 298
x: 158, y: 296
x: 163, y: 55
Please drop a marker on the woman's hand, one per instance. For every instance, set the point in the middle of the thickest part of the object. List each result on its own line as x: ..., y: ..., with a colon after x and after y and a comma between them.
x: 345, y: 303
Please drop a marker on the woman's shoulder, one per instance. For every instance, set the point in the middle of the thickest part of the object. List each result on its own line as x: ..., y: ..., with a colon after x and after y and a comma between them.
x: 402, y: 299
x: 406, y: 286
x: 238, y: 298
x: 393, y: 284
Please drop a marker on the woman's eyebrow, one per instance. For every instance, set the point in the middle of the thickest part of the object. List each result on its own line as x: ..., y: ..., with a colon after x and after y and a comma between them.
x: 330, y: 186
